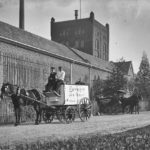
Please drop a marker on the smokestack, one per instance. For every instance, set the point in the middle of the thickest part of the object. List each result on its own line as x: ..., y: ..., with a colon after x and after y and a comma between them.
x: 76, y: 14
x: 21, y: 14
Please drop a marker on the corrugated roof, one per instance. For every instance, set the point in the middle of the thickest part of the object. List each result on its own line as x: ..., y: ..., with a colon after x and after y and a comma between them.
x: 28, y: 38
x: 94, y: 60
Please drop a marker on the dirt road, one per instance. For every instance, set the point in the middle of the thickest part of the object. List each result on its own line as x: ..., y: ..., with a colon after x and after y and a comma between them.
x: 101, y: 124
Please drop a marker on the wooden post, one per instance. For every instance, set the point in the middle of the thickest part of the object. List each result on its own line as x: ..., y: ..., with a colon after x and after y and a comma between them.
x: 71, y: 73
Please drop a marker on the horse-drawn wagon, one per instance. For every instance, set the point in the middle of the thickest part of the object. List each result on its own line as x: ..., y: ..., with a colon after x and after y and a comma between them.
x: 72, y: 101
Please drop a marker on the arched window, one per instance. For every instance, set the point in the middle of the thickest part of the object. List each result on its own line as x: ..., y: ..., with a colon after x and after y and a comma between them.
x: 96, y: 44
x: 97, y: 48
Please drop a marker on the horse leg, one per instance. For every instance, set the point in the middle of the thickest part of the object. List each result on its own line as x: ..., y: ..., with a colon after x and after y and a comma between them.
x: 36, y: 120
x: 137, y: 108
x: 40, y: 115
x: 19, y: 115
x: 37, y: 114
x: 16, y: 116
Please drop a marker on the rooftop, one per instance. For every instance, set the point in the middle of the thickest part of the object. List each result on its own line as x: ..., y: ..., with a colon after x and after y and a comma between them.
x: 90, y: 18
x: 24, y: 37
x: 124, y: 66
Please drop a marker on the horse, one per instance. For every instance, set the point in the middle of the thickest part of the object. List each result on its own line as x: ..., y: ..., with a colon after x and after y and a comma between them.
x: 132, y: 102
x: 22, y: 97
x: 106, y: 102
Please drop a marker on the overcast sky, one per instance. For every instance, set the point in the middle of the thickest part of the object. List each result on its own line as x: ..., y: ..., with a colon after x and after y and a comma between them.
x: 129, y: 21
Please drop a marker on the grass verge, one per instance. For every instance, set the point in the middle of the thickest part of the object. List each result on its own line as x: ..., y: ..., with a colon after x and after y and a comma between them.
x: 136, y: 139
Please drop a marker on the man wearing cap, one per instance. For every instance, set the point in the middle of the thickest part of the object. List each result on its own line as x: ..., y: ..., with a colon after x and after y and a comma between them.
x: 51, y: 85
x: 60, y: 78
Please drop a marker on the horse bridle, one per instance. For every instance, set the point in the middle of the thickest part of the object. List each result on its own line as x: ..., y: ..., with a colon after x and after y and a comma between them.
x: 9, y: 94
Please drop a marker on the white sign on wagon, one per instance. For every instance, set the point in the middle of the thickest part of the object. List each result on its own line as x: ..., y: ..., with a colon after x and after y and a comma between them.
x: 74, y: 93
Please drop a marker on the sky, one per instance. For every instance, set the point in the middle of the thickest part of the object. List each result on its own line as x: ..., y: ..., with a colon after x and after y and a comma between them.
x: 129, y: 21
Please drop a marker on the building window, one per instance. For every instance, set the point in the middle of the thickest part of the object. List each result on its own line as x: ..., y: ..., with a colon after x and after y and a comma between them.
x: 60, y: 34
x: 96, y: 53
x: 82, y: 44
x: 104, y: 52
x: 75, y: 32
x: 83, y: 31
x: 97, y: 44
x: 79, y: 31
x: 76, y: 44
x: 104, y: 38
x: 100, y: 55
x: 97, y: 48
x: 64, y: 33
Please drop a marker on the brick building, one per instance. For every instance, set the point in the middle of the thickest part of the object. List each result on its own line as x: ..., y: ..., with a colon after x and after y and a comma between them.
x: 25, y: 60
x: 86, y: 35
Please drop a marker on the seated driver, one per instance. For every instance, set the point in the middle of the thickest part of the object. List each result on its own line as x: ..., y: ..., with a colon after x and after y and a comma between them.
x: 51, y: 85
x: 60, y: 78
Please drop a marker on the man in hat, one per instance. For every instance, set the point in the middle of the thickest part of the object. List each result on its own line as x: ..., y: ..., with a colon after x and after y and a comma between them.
x: 79, y: 82
x: 51, y: 85
x: 60, y: 78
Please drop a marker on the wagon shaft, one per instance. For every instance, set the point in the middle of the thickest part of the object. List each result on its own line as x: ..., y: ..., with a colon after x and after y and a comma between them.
x: 32, y: 99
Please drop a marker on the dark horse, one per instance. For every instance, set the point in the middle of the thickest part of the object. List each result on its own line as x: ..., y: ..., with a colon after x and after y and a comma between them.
x: 21, y: 97
x: 132, y: 102
x: 105, y: 103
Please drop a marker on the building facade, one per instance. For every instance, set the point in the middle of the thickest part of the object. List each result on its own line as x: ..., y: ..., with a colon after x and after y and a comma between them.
x: 25, y: 60
x: 86, y: 35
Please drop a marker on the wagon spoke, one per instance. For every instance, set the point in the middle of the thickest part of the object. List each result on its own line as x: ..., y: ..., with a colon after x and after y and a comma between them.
x: 84, y: 109
x: 70, y: 114
x: 61, y: 114
x: 48, y: 115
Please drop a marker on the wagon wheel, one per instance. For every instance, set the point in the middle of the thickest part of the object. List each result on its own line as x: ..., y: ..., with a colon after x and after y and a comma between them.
x: 127, y: 109
x: 48, y: 115
x: 60, y: 113
x: 69, y: 114
x: 84, y: 109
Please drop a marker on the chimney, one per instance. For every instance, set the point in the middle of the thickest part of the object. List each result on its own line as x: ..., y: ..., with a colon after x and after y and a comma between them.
x: 21, y: 14
x: 76, y: 14
x: 92, y: 16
